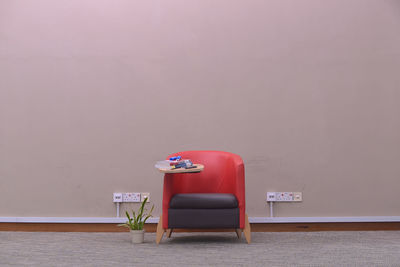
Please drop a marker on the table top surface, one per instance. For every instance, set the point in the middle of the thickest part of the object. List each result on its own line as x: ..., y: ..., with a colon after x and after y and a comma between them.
x: 199, y: 168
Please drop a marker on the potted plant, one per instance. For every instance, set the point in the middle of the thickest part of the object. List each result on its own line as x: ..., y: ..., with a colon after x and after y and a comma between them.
x: 136, y: 223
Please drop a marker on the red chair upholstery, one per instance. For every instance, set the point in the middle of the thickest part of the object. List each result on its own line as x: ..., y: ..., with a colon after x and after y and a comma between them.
x: 223, y: 173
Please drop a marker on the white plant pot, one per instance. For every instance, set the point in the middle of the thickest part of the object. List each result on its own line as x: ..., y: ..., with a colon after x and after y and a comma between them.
x: 137, y: 236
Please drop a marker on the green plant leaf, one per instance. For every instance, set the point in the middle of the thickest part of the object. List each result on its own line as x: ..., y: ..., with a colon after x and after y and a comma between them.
x: 138, y: 219
x: 149, y: 215
x: 134, y: 224
x: 129, y: 218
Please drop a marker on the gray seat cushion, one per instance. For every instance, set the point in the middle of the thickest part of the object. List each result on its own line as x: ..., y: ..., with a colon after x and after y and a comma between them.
x: 203, y: 218
x: 203, y: 201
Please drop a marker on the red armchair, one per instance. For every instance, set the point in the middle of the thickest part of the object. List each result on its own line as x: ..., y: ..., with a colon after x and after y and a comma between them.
x: 213, y: 198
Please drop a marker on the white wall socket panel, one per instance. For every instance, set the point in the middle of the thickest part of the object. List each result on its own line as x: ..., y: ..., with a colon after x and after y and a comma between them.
x: 117, y: 197
x: 145, y: 195
x: 131, y: 197
x: 284, y: 196
x: 297, y: 196
x: 271, y: 196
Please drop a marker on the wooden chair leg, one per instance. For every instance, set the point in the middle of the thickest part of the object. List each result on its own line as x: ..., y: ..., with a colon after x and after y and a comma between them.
x: 247, y: 230
x: 169, y: 232
x: 160, y: 231
x: 238, y: 233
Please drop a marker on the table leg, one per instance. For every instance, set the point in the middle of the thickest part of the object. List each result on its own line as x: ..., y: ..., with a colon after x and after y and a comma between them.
x: 160, y: 231
x: 247, y: 230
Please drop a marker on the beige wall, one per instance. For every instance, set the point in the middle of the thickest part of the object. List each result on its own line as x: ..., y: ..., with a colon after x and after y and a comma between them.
x: 92, y: 93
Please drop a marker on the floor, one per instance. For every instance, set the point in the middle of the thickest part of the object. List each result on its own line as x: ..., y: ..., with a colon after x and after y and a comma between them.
x: 374, y: 248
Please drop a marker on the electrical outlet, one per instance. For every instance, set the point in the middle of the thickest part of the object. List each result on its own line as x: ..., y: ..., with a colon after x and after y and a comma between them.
x: 271, y: 196
x: 131, y: 197
x: 297, y: 196
x: 284, y: 196
x: 145, y: 195
x: 117, y: 197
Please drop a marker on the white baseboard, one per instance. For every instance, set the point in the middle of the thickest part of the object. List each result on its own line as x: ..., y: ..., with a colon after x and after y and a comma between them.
x: 324, y: 219
x: 155, y: 219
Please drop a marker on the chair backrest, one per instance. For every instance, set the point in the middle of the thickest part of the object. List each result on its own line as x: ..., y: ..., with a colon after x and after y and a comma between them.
x: 219, y: 174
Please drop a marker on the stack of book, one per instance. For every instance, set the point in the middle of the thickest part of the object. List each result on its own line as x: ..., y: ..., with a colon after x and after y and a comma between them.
x: 175, y: 163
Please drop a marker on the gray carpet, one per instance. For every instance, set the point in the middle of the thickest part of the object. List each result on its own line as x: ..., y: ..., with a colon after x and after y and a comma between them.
x: 381, y: 248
